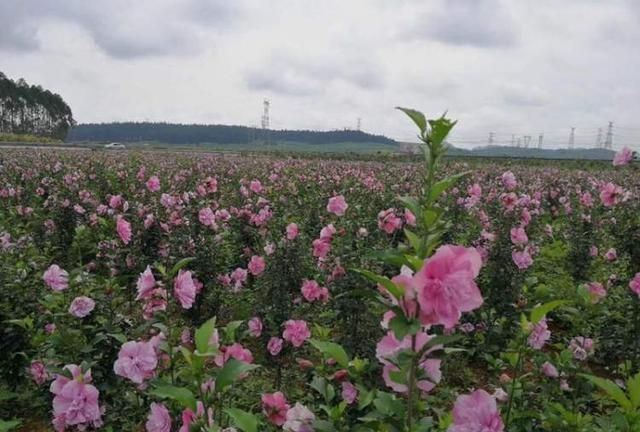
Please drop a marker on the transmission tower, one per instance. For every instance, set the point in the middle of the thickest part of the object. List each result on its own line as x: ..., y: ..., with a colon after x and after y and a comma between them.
x: 265, y: 121
x: 540, y: 138
x: 572, y: 137
x: 608, y: 144
x: 518, y: 144
x: 599, y: 139
x: 359, y: 125
x: 527, y: 140
x: 513, y: 140
x: 491, y: 136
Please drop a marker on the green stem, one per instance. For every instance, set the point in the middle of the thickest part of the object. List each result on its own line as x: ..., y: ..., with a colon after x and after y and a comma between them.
x: 412, y: 386
x: 514, y: 382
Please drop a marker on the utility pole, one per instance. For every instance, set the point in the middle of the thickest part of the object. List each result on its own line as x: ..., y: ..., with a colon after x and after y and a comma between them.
x: 572, y: 137
x: 608, y: 144
x: 265, y: 121
x: 599, y: 139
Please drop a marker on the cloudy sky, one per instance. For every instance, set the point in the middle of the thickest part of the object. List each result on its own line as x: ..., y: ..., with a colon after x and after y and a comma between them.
x: 504, y: 66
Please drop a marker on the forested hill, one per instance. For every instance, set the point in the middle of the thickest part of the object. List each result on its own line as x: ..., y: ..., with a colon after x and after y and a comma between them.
x: 30, y: 109
x: 219, y: 134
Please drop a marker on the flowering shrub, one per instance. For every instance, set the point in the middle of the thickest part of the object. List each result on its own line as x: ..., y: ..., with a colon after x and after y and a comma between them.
x: 214, y: 293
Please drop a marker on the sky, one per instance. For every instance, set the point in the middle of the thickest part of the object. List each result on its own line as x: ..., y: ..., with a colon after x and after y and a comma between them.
x: 511, y: 67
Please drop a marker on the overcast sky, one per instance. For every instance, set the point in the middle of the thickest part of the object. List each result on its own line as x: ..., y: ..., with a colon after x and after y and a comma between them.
x: 508, y: 66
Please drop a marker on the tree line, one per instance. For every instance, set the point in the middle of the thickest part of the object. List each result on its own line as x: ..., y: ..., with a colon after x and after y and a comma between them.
x: 31, y: 109
x: 218, y: 134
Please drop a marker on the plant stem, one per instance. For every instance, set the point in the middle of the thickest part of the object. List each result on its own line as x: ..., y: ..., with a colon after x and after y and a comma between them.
x: 412, y: 385
x: 514, y: 381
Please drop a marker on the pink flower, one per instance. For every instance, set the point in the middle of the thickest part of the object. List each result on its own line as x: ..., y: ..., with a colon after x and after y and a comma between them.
x: 256, y: 186
x: 185, y: 289
x: 299, y: 419
x: 581, y: 347
x: 623, y: 157
x: 153, y: 184
x: 389, y: 347
x: 611, y: 255
x: 610, y: 194
x: 274, y: 346
x: 634, y: 284
x: 136, y: 361
x: 146, y: 283
x: 321, y: 248
x: 235, y: 351
x: 549, y: 370
x: 296, y: 332
x: 275, y: 407
x: 445, y: 286
x: 159, y: 419
x: 522, y: 259
x: 239, y: 277
x: 38, y: 372
x: 311, y: 291
x: 255, y: 327
x: 509, y: 180
x: 539, y: 335
x: 327, y: 232
x: 519, y: 236
x: 349, y: 392
x: 388, y: 221
x: 597, y: 291
x: 409, y: 217
x: 256, y: 265
x: 76, y: 401
x: 476, y: 412
x: 56, y: 278
x: 337, y: 205
x: 81, y: 306
x: 593, y: 251
x: 124, y: 230
x: 292, y: 231
x: 207, y: 217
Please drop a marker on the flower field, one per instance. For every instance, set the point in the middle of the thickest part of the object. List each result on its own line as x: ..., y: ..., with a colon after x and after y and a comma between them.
x: 198, y: 292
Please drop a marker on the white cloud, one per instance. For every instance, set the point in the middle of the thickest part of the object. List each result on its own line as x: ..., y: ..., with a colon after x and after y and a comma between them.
x: 504, y: 66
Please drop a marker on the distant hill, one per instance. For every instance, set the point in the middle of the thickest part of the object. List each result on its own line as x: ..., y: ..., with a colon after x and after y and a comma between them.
x: 169, y: 133
x: 535, y: 153
x: 523, y: 153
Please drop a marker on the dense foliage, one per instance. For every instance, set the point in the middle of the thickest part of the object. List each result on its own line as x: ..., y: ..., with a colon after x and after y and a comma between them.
x: 194, y: 292
x: 30, y: 109
x: 222, y: 134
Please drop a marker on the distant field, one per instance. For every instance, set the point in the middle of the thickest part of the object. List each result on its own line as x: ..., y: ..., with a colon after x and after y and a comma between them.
x: 346, y: 147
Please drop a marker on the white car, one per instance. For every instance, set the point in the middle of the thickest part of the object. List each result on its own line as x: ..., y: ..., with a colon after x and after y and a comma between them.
x: 115, y: 146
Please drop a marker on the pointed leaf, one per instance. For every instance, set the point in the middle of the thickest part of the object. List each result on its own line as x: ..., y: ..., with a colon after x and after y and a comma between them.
x: 243, y: 420
x: 417, y: 117
x: 203, y: 335
x: 332, y: 350
x: 232, y: 371
x: 540, y: 311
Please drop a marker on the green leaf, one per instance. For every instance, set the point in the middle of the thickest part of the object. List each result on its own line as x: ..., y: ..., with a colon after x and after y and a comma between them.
x: 417, y: 117
x: 323, y: 426
x: 180, y: 265
x: 203, y: 335
x: 231, y: 371
x: 244, y: 420
x: 230, y: 330
x: 612, y: 390
x: 320, y: 385
x: 540, y: 311
x: 332, y: 350
x: 395, y: 290
x: 180, y: 394
x: 414, y: 240
x: 411, y: 203
x: 444, y: 184
x: 633, y: 386
x: 440, y: 128
x: 402, y: 327
x: 119, y: 337
x: 7, y: 425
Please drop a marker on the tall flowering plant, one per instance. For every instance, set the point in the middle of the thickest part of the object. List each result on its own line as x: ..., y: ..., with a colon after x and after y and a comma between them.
x: 424, y: 302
